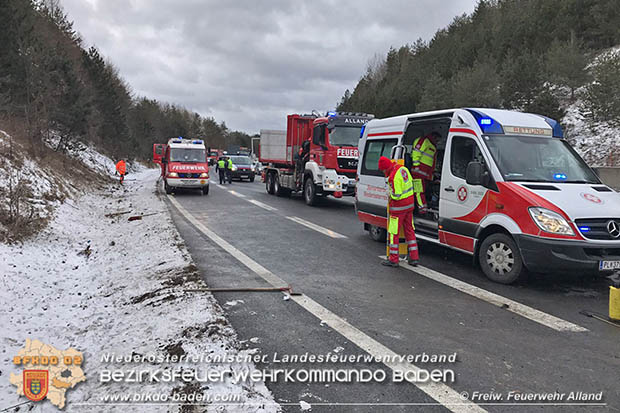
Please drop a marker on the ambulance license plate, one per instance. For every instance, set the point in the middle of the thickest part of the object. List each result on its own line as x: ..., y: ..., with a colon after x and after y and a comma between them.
x: 609, y: 265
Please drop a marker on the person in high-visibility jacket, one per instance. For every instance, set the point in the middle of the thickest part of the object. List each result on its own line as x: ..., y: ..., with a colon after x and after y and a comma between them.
x: 121, y: 169
x: 221, y: 169
x: 229, y: 169
x: 423, y: 157
x: 401, y: 204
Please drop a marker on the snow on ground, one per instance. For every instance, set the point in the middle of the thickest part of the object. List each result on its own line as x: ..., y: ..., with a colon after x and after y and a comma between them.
x: 104, y: 284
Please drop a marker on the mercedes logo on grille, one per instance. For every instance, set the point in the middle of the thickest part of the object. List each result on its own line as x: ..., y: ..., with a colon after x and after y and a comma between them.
x: 613, y: 228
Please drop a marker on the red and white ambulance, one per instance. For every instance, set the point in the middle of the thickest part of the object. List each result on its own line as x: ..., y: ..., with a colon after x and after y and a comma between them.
x: 184, y: 164
x: 507, y: 189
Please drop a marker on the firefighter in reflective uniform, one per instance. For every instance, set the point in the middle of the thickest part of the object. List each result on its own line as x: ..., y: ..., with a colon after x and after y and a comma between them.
x: 229, y: 170
x: 423, y: 157
x: 221, y: 169
x: 400, y: 210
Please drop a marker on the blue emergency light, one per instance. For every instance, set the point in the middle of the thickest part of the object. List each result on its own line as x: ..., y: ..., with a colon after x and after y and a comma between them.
x: 197, y: 142
x: 559, y: 177
x: 332, y: 114
x: 584, y: 229
x: 362, y: 131
x: 488, y: 125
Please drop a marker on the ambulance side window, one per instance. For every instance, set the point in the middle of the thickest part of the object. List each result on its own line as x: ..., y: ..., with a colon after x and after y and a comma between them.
x: 374, y: 150
x: 464, y: 150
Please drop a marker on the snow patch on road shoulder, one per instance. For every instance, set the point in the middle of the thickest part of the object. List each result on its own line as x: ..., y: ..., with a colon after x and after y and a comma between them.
x: 106, y: 285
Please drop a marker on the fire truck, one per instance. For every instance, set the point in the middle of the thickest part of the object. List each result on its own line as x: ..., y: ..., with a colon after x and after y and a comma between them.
x: 183, y: 164
x: 316, y: 155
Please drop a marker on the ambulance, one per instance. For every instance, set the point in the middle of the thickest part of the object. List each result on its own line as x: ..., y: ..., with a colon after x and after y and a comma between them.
x: 507, y: 189
x: 184, y: 164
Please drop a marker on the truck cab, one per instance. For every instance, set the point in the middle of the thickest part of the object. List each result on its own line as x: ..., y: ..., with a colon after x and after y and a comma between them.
x: 184, y: 165
x: 507, y: 189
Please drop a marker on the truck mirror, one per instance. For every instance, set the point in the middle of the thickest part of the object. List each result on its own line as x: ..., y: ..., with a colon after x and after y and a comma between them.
x: 474, y: 174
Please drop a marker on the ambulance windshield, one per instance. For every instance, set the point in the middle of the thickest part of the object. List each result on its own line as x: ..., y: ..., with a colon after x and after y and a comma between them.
x: 538, y: 159
x: 187, y: 155
x: 344, y: 135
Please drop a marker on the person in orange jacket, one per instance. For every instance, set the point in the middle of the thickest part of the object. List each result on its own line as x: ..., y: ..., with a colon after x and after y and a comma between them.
x: 121, y: 169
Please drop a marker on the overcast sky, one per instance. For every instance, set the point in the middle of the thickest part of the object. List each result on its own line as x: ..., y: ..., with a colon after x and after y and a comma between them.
x: 250, y: 63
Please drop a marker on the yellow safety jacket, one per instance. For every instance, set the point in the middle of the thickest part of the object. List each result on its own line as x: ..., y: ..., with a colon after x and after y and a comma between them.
x: 400, y: 184
x: 220, y: 164
x: 230, y: 164
x: 423, y: 156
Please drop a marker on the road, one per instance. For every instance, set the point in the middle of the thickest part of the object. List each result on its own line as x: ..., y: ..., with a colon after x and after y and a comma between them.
x: 528, y: 338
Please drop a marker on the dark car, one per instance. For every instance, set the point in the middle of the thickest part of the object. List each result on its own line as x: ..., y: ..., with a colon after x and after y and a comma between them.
x: 243, y: 167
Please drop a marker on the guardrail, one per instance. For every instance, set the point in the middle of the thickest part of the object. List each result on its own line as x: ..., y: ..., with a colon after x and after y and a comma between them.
x: 609, y: 175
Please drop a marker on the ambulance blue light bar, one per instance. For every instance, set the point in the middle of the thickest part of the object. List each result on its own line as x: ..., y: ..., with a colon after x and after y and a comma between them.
x: 555, y: 125
x: 584, y: 229
x: 560, y: 177
x: 197, y: 142
x: 488, y: 125
x: 331, y: 114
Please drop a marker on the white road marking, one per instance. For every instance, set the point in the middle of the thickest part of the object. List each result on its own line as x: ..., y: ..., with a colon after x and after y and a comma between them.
x: 317, y: 228
x: 260, y: 204
x: 236, y: 193
x: 220, y: 186
x: 523, y: 310
x: 442, y: 393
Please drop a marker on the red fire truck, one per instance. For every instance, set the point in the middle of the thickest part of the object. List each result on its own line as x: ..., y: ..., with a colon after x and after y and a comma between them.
x: 327, y: 162
x: 183, y: 164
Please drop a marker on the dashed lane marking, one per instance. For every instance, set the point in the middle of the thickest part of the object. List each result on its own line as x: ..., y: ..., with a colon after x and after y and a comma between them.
x: 260, y: 204
x: 440, y: 392
x: 317, y: 228
x: 523, y: 310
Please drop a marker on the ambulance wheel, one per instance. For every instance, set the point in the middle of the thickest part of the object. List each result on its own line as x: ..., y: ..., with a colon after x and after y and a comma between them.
x: 269, y: 184
x: 310, y: 195
x: 251, y: 178
x: 205, y: 190
x: 167, y: 187
x: 377, y: 233
x: 500, y: 259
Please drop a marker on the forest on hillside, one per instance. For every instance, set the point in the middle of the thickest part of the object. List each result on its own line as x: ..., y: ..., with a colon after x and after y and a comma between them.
x: 51, y: 83
x: 529, y: 55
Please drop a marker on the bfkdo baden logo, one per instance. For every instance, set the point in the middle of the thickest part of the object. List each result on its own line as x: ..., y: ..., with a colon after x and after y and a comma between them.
x: 35, y: 384
x: 47, y: 372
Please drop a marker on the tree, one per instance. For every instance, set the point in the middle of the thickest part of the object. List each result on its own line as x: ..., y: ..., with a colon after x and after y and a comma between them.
x: 602, y: 96
x: 566, y: 65
x: 477, y: 86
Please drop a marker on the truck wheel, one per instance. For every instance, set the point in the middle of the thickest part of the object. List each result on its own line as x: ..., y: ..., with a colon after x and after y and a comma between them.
x: 500, y: 259
x: 205, y: 190
x: 269, y: 184
x: 377, y: 233
x: 251, y: 178
x: 279, y: 189
x: 167, y: 188
x: 310, y: 195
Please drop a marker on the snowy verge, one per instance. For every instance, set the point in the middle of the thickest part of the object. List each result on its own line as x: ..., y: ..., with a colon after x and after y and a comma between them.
x: 103, y: 284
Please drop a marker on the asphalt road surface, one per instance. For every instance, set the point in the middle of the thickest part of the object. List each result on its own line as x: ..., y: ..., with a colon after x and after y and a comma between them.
x: 520, y: 340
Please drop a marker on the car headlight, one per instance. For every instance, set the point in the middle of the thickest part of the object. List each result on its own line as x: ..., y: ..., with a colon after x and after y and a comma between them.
x: 550, y: 221
x: 204, y: 175
x: 234, y: 168
x: 173, y: 175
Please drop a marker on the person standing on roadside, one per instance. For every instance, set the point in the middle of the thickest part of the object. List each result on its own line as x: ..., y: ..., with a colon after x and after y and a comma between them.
x: 401, y: 203
x: 121, y: 169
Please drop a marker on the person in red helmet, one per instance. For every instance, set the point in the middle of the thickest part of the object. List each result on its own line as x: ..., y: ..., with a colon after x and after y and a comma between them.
x: 401, y: 203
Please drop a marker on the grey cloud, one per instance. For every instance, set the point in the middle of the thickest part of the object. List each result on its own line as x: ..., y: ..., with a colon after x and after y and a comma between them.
x: 249, y: 63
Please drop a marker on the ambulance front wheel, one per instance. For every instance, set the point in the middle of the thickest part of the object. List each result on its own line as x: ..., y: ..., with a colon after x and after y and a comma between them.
x: 500, y: 259
x: 205, y: 190
x: 377, y: 233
